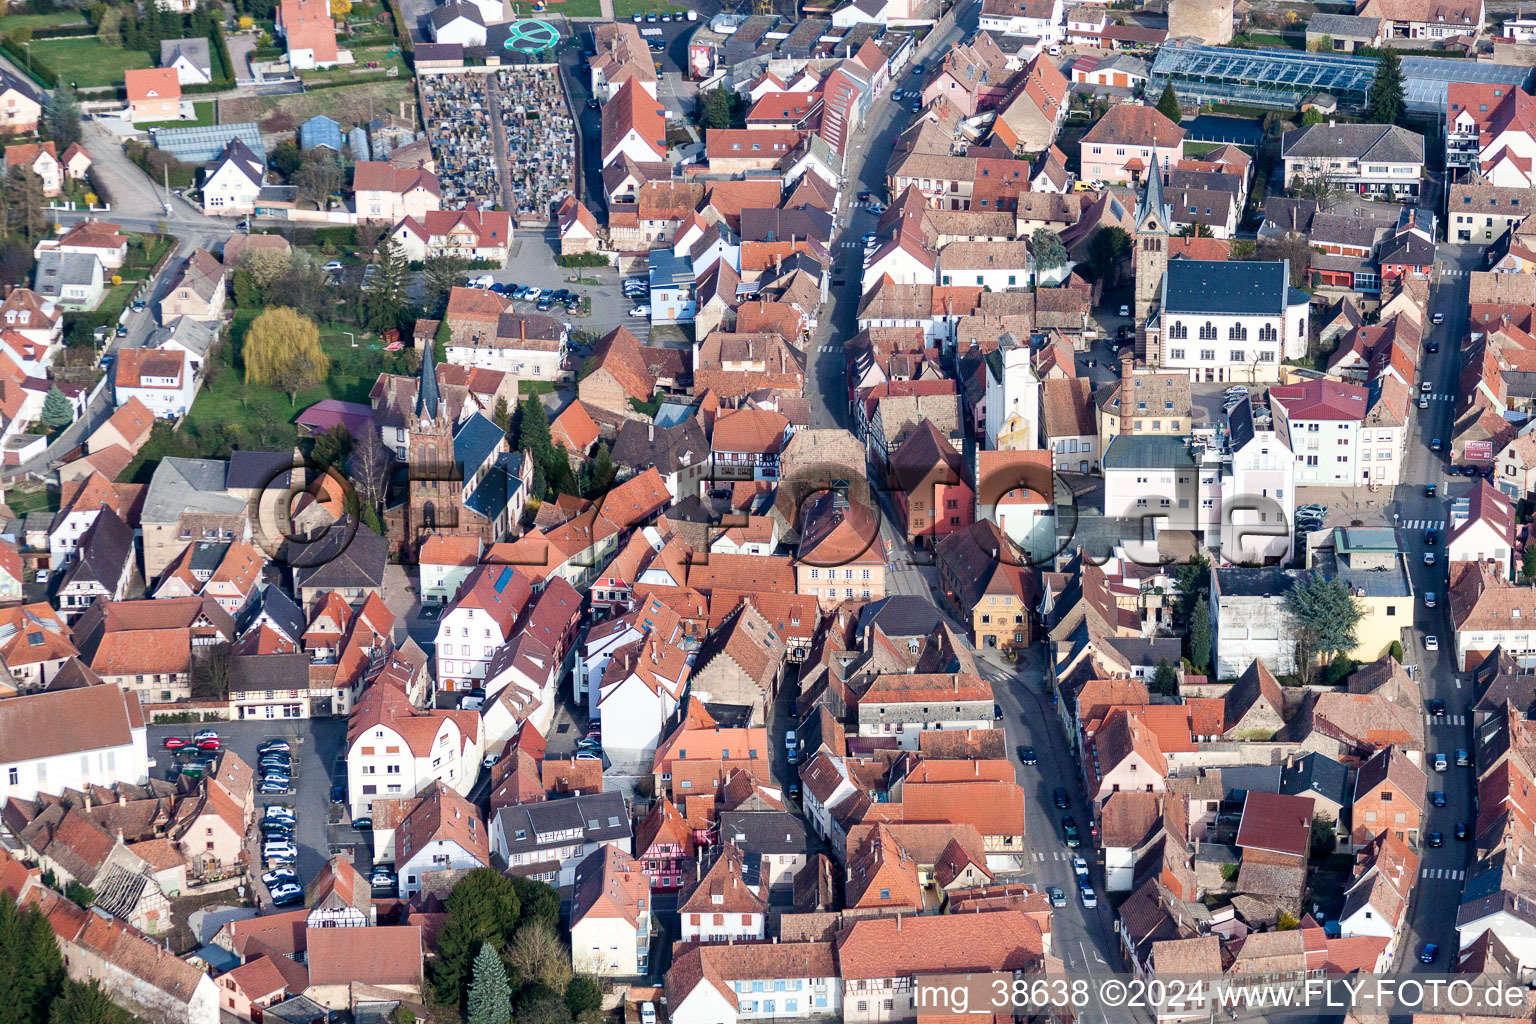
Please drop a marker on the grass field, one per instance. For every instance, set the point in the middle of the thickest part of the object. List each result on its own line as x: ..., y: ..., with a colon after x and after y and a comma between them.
x: 569, y: 8
x: 627, y: 9
x: 86, y: 62
x: 204, y: 110
x: 378, y: 54
x: 37, y: 21
x: 260, y: 416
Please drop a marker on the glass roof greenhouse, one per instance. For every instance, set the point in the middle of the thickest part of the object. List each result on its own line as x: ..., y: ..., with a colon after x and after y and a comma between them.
x: 1284, y: 78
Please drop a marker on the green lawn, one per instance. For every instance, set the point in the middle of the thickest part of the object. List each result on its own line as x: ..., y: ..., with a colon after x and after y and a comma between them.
x: 228, y: 412
x: 378, y: 54
x: 569, y: 8
x: 36, y: 21
x: 627, y: 9
x: 37, y: 500
x: 205, y: 110
x: 86, y: 62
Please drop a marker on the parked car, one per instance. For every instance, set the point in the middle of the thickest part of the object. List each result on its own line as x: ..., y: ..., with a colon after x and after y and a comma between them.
x: 1433, y: 347
x: 1431, y: 643
x: 1429, y: 953
x: 639, y: 311
x: 1437, y: 799
x: 1438, y: 318
x: 382, y: 878
x: 1435, y: 445
x: 274, y: 746
x: 277, y: 875
x: 209, y: 744
x: 287, y: 892
x: 1089, y: 899
x: 205, y: 734
x: 1437, y: 707
x: 1461, y: 830
x: 362, y: 824
x: 266, y: 788
x: 471, y: 703
x: 280, y: 850
x: 1059, y: 795
x: 1058, y: 898
x: 489, y: 760
x: 1462, y: 758
x: 1027, y: 755
x: 1069, y: 832
x: 1440, y: 763
x: 333, y: 265
x: 176, y: 742
x: 1435, y: 840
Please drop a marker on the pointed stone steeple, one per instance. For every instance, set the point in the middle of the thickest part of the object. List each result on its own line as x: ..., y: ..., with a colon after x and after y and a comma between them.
x: 427, y: 400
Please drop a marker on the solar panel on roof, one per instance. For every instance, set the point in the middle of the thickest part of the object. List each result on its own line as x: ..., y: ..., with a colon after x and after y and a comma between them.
x: 503, y: 579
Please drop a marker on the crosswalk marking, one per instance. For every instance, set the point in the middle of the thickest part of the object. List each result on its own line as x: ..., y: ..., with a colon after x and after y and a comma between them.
x: 1422, y: 524
x: 1445, y: 719
x: 1450, y: 874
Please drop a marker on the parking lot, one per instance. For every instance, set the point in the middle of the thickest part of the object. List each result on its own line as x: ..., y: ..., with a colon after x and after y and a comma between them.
x: 532, y: 263
x: 317, y: 744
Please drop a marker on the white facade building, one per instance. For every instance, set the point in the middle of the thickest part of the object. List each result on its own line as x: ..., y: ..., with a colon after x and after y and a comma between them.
x: 1231, y: 321
x: 71, y: 739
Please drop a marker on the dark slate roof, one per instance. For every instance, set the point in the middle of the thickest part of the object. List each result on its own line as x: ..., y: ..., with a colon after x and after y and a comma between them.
x: 277, y: 608
x: 1384, y: 142
x: 1147, y: 451
x: 347, y: 555
x: 445, y: 14
x: 1240, y: 424
x: 268, y: 672
x: 764, y: 832
x: 1145, y: 651
x: 1249, y: 778
x: 1409, y: 248
x: 9, y: 81
x: 497, y: 487
x: 106, y: 545
x: 1315, y: 773
x: 474, y: 441
x: 600, y: 816
x: 901, y: 615
x: 669, y: 449
x: 782, y: 225
x: 1229, y: 289
x: 255, y: 470
x: 1241, y: 581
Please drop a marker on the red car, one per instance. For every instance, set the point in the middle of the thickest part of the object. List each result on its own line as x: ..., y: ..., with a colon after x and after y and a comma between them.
x: 176, y: 742
x: 209, y: 744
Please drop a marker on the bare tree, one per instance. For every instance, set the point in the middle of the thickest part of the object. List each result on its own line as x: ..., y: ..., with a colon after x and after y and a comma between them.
x: 369, y: 235
x: 370, y: 468
x: 537, y: 954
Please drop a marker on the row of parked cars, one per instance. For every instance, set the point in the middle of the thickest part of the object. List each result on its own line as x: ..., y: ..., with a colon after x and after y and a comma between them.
x: 279, y: 851
x: 543, y: 299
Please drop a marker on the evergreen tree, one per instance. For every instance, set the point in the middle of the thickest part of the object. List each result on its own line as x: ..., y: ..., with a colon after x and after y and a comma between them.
x: 57, y: 412
x: 490, y: 995
x: 502, y: 417
x: 86, y: 1004
x: 1047, y: 249
x: 1165, y: 681
x: 1168, y: 104
x: 539, y: 901
x: 599, y: 473
x: 533, y: 431
x: 1200, y: 636
x: 584, y: 998
x: 1385, y: 103
x: 482, y: 908
x: 63, y: 118
x: 384, y: 299
x: 24, y: 205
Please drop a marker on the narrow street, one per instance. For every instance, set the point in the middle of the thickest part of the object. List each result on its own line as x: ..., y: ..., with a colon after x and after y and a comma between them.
x: 1442, y: 872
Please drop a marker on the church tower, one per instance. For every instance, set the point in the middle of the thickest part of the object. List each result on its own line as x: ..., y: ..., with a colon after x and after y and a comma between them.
x: 436, y: 484
x: 1150, y: 244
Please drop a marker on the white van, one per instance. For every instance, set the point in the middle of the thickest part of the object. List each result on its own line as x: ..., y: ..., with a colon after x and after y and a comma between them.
x: 483, y: 281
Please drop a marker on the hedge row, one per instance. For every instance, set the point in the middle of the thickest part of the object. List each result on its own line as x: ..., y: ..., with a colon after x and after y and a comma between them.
x: 368, y: 79
x: 63, y: 31
x: 223, y: 66
x: 42, y: 72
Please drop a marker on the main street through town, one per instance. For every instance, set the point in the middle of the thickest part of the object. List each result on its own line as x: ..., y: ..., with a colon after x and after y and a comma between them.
x: 1442, y: 872
x: 1084, y: 938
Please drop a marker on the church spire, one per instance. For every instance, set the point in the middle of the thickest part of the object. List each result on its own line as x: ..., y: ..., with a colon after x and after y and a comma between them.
x: 1153, y: 206
x: 427, y: 400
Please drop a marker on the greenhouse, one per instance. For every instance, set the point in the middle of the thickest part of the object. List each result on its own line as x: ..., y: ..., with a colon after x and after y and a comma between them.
x: 1282, y: 79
